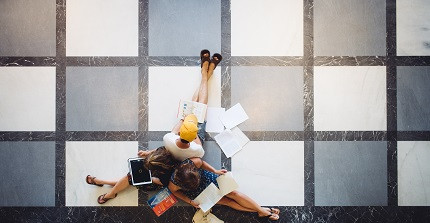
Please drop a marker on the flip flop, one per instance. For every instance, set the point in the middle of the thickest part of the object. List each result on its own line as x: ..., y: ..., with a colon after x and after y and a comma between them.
x: 204, y: 58
x: 216, y: 62
x: 275, y: 211
x: 92, y: 181
x: 101, y: 199
x: 274, y: 216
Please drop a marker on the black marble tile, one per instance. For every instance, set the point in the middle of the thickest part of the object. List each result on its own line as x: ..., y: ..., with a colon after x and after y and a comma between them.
x: 275, y: 135
x: 173, y: 61
x: 27, y: 136
x: 350, y: 136
x: 102, y: 61
x: 27, y: 61
x: 102, y: 136
x: 266, y: 61
x: 350, y: 61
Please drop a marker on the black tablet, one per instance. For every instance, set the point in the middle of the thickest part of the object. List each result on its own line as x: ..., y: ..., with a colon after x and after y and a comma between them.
x: 139, y: 174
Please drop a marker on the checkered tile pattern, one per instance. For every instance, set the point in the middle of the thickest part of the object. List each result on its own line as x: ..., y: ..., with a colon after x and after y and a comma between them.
x: 337, y: 93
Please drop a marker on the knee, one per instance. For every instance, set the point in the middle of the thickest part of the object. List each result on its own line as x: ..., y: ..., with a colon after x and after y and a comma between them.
x: 225, y: 201
x: 233, y: 194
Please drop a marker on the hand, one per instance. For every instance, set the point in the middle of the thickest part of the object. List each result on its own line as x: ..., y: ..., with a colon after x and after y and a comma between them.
x: 195, y: 204
x: 221, y: 171
x: 142, y: 153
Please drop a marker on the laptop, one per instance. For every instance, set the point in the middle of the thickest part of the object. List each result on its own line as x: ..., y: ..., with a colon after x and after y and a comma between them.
x: 139, y: 174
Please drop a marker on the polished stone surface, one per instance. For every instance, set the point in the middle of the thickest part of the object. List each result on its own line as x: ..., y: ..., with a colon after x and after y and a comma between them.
x: 279, y: 172
x: 413, y: 28
x: 350, y: 173
x: 102, y: 28
x: 95, y: 96
x: 27, y: 171
x: 27, y: 28
x: 253, y: 35
x: 273, y: 103
x: 104, y: 160
x: 413, y: 98
x: 184, y: 28
x: 413, y: 163
x: 349, y: 28
x: 358, y: 104
x: 27, y: 98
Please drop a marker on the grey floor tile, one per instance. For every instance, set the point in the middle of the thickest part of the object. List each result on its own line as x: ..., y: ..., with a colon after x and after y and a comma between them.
x: 271, y: 96
x: 349, y: 28
x: 183, y: 28
x: 350, y: 173
x: 27, y: 28
x: 27, y: 171
x: 102, y: 98
x: 413, y: 98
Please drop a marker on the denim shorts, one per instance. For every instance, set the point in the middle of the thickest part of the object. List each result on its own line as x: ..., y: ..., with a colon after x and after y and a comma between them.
x: 202, y: 131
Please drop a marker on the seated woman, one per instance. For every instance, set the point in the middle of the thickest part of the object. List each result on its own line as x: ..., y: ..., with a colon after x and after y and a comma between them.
x: 194, y: 175
x: 159, y: 161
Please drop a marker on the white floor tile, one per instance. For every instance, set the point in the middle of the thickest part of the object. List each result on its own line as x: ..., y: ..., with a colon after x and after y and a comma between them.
x: 168, y: 85
x: 413, y: 27
x: 104, y: 160
x: 27, y: 99
x: 413, y: 166
x: 350, y: 98
x: 102, y: 28
x: 266, y: 28
x: 271, y: 172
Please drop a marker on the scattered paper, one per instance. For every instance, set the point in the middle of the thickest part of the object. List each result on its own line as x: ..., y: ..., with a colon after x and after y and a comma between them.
x: 213, y: 122
x: 234, y: 116
x: 228, y: 143
x: 240, y: 136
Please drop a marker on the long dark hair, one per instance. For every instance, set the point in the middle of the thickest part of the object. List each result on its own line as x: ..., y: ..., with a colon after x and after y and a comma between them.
x: 160, y: 162
x: 187, y: 176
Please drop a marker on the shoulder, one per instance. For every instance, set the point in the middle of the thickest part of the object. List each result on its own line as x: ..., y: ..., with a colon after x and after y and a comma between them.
x: 197, y: 161
x: 170, y: 136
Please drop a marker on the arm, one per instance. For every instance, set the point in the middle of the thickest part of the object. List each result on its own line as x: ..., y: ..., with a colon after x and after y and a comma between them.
x: 206, y: 166
x: 176, y: 191
x: 175, y: 129
x: 197, y: 141
x: 143, y: 153
x: 156, y: 180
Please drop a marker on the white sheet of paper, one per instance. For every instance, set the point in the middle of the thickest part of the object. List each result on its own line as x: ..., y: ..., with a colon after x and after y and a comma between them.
x: 227, y: 183
x: 234, y: 116
x: 208, y: 197
x: 228, y: 143
x: 213, y: 123
x: 240, y: 136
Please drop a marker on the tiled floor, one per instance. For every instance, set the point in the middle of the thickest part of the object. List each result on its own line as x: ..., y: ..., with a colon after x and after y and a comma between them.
x: 337, y: 93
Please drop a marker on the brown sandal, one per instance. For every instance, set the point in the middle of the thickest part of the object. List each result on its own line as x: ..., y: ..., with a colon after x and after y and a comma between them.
x: 204, y: 58
x: 101, y: 199
x: 217, y: 60
x: 92, y: 181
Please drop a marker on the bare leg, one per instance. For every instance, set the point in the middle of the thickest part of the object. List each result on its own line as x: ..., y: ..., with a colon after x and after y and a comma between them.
x: 119, y: 186
x: 108, y: 182
x: 247, y: 202
x: 197, y: 94
x: 233, y: 204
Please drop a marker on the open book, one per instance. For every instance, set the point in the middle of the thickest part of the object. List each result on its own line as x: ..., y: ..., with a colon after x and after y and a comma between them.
x: 162, y: 201
x: 191, y: 107
x: 211, y: 195
x: 231, y: 141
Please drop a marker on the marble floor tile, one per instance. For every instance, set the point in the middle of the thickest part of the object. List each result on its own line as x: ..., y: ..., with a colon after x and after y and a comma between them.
x: 266, y: 28
x: 212, y: 152
x: 413, y: 98
x: 27, y: 28
x: 168, y: 85
x: 272, y: 97
x: 102, y: 28
x: 27, y: 98
x: 27, y: 171
x: 350, y: 98
x: 349, y: 28
x: 102, y: 98
x: 413, y: 166
x: 183, y: 28
x: 271, y: 172
x: 350, y: 173
x: 413, y: 27
x: 104, y: 160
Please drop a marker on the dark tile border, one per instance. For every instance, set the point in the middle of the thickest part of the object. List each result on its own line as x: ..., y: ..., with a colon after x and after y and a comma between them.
x: 266, y: 61
x: 27, y: 61
x: 102, y: 61
x: 412, y: 61
x: 27, y: 136
x: 308, y: 100
x: 413, y: 136
x: 391, y: 103
x: 350, y: 61
x: 350, y: 136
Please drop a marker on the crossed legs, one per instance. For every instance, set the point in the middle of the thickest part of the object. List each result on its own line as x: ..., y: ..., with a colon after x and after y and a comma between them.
x: 118, y: 186
x: 201, y: 93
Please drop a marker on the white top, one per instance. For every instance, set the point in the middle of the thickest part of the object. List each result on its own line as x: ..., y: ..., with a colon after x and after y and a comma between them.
x: 195, y: 150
